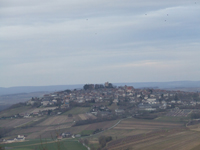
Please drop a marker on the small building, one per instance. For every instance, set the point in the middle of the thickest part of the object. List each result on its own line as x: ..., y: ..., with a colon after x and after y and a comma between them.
x: 77, y: 135
x: 67, y: 134
x: 19, y: 138
x: 146, y: 107
x: 45, y: 103
x: 59, y: 137
x: 94, y: 112
x: 119, y: 111
x: 115, y: 101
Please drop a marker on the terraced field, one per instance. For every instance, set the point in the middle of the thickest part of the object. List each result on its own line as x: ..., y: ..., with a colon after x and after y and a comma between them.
x: 15, y: 122
x: 18, y: 110
x: 78, y: 110
x: 179, y: 139
x: 87, y: 116
x: 55, y: 120
x: 36, y: 110
x: 145, y: 124
x: 135, y: 134
x: 150, y: 134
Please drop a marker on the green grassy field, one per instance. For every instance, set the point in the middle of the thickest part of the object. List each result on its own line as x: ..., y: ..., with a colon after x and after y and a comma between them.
x: 47, y: 144
x: 77, y: 110
x: 86, y: 132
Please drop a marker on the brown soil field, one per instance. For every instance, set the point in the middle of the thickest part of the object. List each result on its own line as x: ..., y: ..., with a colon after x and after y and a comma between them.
x: 117, y: 134
x: 77, y: 129
x: 178, y: 139
x: 15, y: 122
x: 136, y: 121
x: 51, y: 130
x: 76, y: 117
x: 87, y: 116
x: 73, y: 130
x: 38, y: 134
x: 151, y: 125
x: 83, y: 116
x: 91, y: 116
x: 102, y: 125
x: 37, y: 131
x: 27, y: 130
x: 56, y: 120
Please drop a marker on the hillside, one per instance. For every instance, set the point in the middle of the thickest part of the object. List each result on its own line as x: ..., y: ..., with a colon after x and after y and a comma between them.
x: 131, y: 118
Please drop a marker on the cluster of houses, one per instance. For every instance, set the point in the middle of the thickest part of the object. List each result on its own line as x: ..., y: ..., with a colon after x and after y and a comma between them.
x: 100, y: 97
x: 68, y: 135
x: 19, y: 138
x: 145, y: 99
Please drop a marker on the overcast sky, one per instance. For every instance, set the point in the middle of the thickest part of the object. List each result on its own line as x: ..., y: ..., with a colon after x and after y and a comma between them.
x: 48, y: 42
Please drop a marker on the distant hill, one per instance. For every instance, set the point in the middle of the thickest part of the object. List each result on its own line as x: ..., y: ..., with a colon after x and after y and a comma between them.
x: 19, y: 97
x: 4, y: 106
x: 30, y: 89
x: 162, y: 85
x: 53, y: 88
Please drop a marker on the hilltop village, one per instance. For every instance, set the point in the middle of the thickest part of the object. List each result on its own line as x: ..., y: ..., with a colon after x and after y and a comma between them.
x: 99, y: 97
x: 92, y: 105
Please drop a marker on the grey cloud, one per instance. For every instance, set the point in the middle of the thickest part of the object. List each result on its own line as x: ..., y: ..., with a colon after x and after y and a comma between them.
x: 92, y: 41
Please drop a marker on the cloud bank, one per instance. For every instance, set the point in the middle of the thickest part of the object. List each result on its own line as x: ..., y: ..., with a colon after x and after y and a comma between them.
x: 73, y: 42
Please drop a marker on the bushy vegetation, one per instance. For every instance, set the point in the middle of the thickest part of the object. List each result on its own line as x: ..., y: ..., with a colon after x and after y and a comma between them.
x: 4, y: 131
x: 103, y: 140
x: 17, y: 105
x: 86, y: 132
x: 195, y: 115
x: 90, y: 121
x: 146, y: 116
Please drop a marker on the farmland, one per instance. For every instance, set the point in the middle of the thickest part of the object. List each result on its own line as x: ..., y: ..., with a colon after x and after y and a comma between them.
x: 47, y: 144
x: 134, y: 134
x: 86, y: 116
x: 47, y: 133
x: 45, y: 126
x: 129, y: 133
x: 170, y: 139
x: 36, y: 110
x: 78, y: 110
x: 18, y: 110
x: 113, y: 118
x: 16, y: 122
x: 145, y: 124
x: 151, y: 134
x: 56, y: 120
x: 179, y: 113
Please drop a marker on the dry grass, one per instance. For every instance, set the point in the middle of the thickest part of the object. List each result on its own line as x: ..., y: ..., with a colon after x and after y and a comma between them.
x: 102, y: 125
x: 158, y: 140
x: 15, y: 122
x: 14, y: 111
x: 56, y: 120
x: 144, y: 125
x: 83, y: 116
x: 42, y: 109
x: 78, y: 110
x: 87, y: 116
x: 179, y: 139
